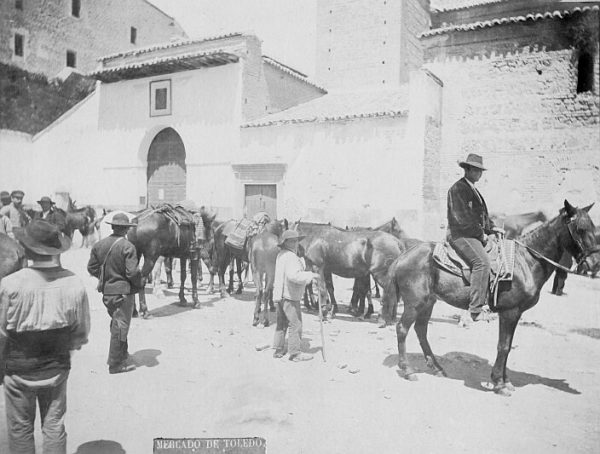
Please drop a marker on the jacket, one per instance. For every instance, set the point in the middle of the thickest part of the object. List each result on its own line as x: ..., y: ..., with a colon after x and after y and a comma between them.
x: 467, y: 213
x: 121, y: 273
x: 290, y: 277
x: 17, y: 216
x: 53, y: 217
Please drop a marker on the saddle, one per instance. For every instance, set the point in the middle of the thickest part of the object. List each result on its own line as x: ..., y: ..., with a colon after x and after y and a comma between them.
x: 245, y: 229
x: 500, y: 252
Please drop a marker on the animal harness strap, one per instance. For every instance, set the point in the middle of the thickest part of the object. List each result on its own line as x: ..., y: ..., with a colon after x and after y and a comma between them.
x: 543, y: 257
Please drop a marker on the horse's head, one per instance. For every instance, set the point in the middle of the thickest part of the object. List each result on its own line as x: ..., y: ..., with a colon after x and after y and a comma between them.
x: 581, y: 241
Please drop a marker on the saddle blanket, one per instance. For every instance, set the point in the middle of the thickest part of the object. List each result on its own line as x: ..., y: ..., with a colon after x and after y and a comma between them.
x: 237, y: 238
x: 502, y: 259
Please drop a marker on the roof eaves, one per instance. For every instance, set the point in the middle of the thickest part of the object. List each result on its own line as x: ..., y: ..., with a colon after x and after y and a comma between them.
x: 508, y: 20
x: 159, y: 60
x: 162, y: 46
x: 265, y: 122
x: 292, y: 72
x: 474, y: 4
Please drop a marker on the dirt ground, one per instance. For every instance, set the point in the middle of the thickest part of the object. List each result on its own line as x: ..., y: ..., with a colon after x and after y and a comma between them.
x: 200, y: 375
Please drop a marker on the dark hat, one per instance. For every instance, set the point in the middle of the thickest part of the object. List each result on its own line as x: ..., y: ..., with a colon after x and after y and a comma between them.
x: 289, y: 235
x: 45, y: 199
x: 473, y: 160
x: 120, y: 220
x: 4, y: 195
x: 43, y: 238
x: 17, y: 193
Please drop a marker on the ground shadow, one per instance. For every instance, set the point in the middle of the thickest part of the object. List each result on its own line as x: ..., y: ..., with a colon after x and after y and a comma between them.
x: 594, y: 333
x: 146, y: 357
x: 100, y: 447
x: 474, y: 370
x: 170, y: 309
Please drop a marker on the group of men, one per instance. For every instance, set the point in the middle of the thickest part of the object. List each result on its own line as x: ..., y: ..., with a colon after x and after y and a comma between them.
x: 13, y: 216
x: 44, y: 309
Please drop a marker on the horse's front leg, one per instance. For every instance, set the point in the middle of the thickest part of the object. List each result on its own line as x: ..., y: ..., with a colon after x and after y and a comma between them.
x: 238, y: 264
x: 330, y: 291
x: 231, y: 271
x: 182, y: 270
x: 194, y: 263
x: 508, y: 323
x: 146, y: 270
x: 257, y: 304
x: 169, y: 271
x: 421, y: 325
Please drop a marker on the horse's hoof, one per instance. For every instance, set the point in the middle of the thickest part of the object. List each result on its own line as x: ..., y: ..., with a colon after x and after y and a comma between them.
x: 135, y: 315
x: 183, y: 303
x: 197, y: 305
x: 147, y: 316
x: 502, y: 391
x: 266, y: 324
x: 255, y: 323
x: 170, y: 285
x: 272, y: 309
x: 238, y: 291
x: 508, y: 385
x: 440, y: 373
x: 411, y: 377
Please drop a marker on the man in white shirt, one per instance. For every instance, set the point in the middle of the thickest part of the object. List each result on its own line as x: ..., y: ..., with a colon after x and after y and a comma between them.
x: 288, y: 288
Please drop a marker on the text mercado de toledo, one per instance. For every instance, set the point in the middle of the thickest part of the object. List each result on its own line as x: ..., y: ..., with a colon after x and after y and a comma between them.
x: 210, y: 445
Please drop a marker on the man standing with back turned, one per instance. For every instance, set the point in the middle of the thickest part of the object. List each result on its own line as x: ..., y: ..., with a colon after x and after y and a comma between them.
x: 114, y: 262
x: 44, y: 314
x: 468, y: 224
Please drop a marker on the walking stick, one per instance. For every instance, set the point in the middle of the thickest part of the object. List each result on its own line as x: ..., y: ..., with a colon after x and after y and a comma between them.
x: 321, y: 322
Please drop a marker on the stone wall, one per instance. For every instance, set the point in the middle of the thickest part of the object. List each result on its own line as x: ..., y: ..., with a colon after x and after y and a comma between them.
x: 510, y: 94
x: 102, y: 28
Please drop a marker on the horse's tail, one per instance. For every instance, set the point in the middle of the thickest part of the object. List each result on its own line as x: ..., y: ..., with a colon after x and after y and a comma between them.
x: 367, y: 252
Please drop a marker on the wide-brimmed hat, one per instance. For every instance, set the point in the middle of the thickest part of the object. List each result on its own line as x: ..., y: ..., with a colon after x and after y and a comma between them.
x: 43, y: 238
x: 120, y: 220
x: 45, y: 199
x: 290, y: 235
x: 473, y: 160
x: 17, y: 193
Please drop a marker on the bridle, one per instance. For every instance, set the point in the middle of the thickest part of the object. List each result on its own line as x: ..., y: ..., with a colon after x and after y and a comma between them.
x: 583, y: 254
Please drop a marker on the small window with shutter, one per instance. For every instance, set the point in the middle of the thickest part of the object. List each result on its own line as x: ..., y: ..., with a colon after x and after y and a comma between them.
x: 71, y: 59
x: 133, y: 35
x: 19, y: 44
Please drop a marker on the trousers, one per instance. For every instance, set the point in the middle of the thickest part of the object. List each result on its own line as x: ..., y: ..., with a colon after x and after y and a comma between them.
x: 20, y: 397
x: 473, y: 253
x: 120, y: 309
x: 289, y: 319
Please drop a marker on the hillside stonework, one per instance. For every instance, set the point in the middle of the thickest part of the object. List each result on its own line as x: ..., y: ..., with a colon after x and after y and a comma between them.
x: 103, y: 27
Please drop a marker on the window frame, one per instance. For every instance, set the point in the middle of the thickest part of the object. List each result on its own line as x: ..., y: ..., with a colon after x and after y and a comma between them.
x: 22, y: 39
x: 78, y: 10
x: 132, y: 35
x: 71, y: 52
x: 156, y: 85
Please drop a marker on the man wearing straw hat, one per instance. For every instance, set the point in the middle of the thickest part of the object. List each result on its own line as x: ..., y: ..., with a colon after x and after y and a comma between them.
x: 44, y: 315
x: 468, y: 225
x: 288, y: 288
x: 114, y: 262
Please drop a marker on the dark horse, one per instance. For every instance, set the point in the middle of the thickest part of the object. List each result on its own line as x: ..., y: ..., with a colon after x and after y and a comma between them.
x: 223, y: 255
x: 82, y: 219
x: 419, y: 281
x: 345, y: 253
x: 362, y: 285
x: 12, y: 255
x: 158, y: 234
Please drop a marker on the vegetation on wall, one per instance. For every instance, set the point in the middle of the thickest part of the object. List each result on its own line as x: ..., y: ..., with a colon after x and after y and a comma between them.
x: 30, y: 102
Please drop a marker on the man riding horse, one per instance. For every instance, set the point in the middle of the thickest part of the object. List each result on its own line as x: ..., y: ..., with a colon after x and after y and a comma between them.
x: 468, y: 225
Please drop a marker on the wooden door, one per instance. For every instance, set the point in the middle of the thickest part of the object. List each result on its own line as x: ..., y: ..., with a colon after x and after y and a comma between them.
x: 261, y: 197
x: 166, y: 168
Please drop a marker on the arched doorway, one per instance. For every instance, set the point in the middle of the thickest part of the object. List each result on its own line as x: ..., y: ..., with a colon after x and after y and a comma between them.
x: 166, y: 168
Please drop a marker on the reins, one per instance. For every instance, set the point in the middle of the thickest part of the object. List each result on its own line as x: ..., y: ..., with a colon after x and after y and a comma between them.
x: 543, y: 257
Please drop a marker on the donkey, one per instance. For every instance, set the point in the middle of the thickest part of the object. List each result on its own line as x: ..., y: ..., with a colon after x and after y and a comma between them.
x: 419, y: 281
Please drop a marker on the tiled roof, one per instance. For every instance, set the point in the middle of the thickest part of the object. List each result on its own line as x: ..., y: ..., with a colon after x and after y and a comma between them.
x: 340, y: 107
x: 509, y: 20
x: 165, y: 65
x: 162, y: 46
x: 291, y: 71
x: 451, y: 5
